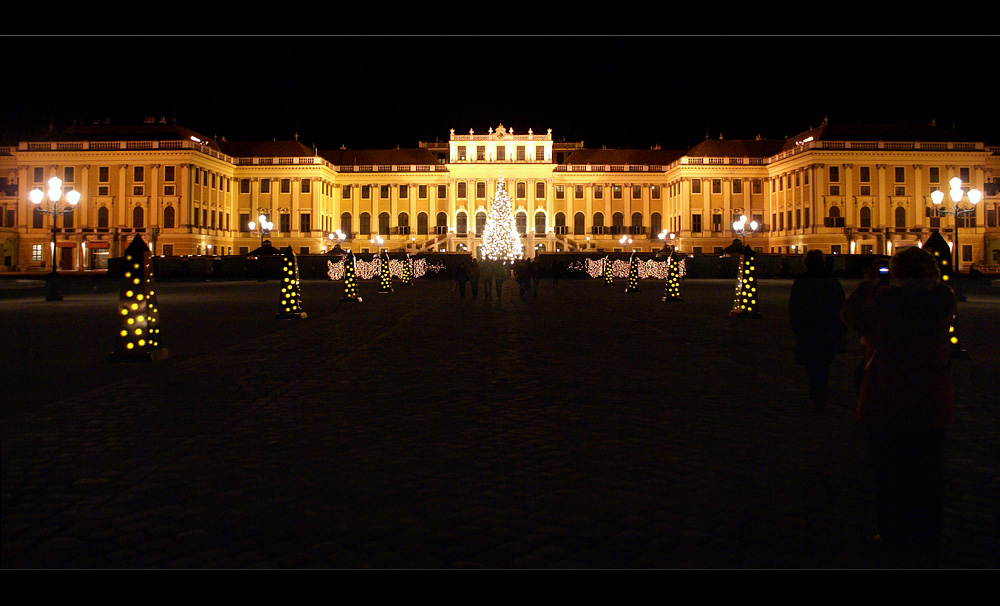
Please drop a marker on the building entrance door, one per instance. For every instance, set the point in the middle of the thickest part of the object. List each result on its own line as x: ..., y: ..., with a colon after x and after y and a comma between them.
x: 65, y: 258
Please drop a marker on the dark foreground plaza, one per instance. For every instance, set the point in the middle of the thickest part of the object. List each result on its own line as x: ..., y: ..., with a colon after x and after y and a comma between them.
x: 584, y: 428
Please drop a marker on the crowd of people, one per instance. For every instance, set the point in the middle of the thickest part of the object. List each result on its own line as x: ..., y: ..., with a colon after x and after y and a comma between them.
x: 904, y: 314
x: 492, y: 274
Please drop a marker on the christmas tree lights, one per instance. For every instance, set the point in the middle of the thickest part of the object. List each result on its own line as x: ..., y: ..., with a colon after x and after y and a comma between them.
x: 608, y: 274
x: 745, y: 303
x: 138, y: 338
x: 384, y: 273
x: 672, y: 288
x: 500, y: 238
x: 633, y: 274
x: 350, y: 280
x: 291, y: 288
x: 407, y: 276
x: 939, y: 249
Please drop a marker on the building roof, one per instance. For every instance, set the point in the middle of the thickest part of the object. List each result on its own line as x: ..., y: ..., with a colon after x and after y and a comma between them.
x: 736, y: 148
x: 632, y: 157
x: 375, y: 157
x: 107, y: 131
x: 877, y: 132
x: 266, y: 149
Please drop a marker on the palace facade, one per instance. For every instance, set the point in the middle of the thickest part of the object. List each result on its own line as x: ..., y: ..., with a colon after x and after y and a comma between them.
x: 840, y: 188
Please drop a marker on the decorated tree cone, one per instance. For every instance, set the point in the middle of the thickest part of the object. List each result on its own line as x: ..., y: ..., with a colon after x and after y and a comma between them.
x: 291, y: 288
x: 138, y: 338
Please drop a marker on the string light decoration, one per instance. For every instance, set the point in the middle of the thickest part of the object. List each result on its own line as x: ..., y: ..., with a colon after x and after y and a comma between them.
x: 291, y: 288
x: 385, y: 273
x: 367, y: 270
x: 648, y: 269
x: 350, y: 278
x: 745, y: 303
x: 500, y: 238
x: 138, y: 338
x: 633, y: 274
x: 939, y: 249
x: 608, y: 278
x: 672, y: 287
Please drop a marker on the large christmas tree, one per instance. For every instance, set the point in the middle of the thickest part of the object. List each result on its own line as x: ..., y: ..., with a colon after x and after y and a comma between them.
x: 500, y: 238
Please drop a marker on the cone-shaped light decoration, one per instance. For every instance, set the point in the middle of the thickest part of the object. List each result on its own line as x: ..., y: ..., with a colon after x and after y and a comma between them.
x: 672, y: 288
x: 938, y: 248
x: 384, y: 275
x: 407, y: 271
x: 608, y: 277
x: 745, y: 304
x: 291, y: 288
x: 350, y: 280
x: 633, y: 274
x: 138, y: 338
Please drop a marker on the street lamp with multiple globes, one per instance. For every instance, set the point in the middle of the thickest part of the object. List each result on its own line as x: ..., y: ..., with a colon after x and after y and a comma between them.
x: 265, y: 227
x: 739, y: 227
x: 956, y: 193
x: 72, y: 197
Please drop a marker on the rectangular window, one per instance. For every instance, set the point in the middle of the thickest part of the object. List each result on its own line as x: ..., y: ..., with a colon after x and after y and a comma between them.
x: 461, y: 189
x: 36, y: 252
x: 265, y: 186
x: 737, y: 186
x: 520, y: 190
x: 168, y: 173
x: 716, y: 222
x: 520, y: 153
x: 480, y: 190
x: 103, y: 174
x: 835, y: 249
x: 68, y: 174
x: 422, y: 192
x: 756, y: 186
x: 900, y: 190
x: 501, y: 153
x: 599, y: 192
x: 244, y: 222
x: 865, y: 174
x: 540, y: 190
x: 442, y: 192
x: 345, y: 192
x: 383, y: 192
x: 834, y: 174
x: 404, y: 192
x: 305, y: 222
x: 695, y: 186
x: 285, y: 222
x: 138, y: 174
x: 366, y: 192
x: 900, y: 174
x: 934, y: 174
x: 560, y: 192
x: 168, y: 190
x: 244, y: 186
x: 38, y: 174
x: 540, y: 153
x: 866, y: 190
x: 286, y: 186
x: 305, y: 186
x: 578, y: 192
x: 834, y: 190
x: 716, y: 186
x: 137, y: 190
x: 636, y: 192
x: 616, y: 192
x: 480, y: 153
x: 963, y: 174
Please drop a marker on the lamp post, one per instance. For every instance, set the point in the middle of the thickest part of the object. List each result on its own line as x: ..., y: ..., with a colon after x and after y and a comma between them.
x: 264, y: 225
x: 739, y: 227
x: 956, y: 193
x: 55, y: 193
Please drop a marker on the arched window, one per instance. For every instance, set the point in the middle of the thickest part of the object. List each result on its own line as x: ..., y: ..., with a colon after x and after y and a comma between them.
x: 422, y: 223
x: 560, y: 219
x: 521, y: 222
x: 383, y: 224
x: 480, y: 222
x: 834, y: 212
x: 442, y: 219
x: 365, y: 224
x: 637, y: 223
x: 618, y: 220
x: 461, y: 223
x: 403, y: 220
x: 579, y: 224
x: 598, y: 219
x: 137, y: 217
x: 865, y: 216
x: 102, y: 217
x: 655, y: 224
x: 900, y: 217
x: 168, y: 217
x: 539, y: 223
x: 345, y: 223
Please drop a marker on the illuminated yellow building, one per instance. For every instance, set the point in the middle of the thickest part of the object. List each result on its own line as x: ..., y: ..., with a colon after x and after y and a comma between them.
x: 840, y: 188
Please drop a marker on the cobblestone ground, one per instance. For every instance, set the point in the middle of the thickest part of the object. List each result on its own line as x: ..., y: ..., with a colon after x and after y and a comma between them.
x: 584, y: 428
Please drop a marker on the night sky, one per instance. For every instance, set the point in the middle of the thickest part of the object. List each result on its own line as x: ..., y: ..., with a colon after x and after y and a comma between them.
x: 388, y: 91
